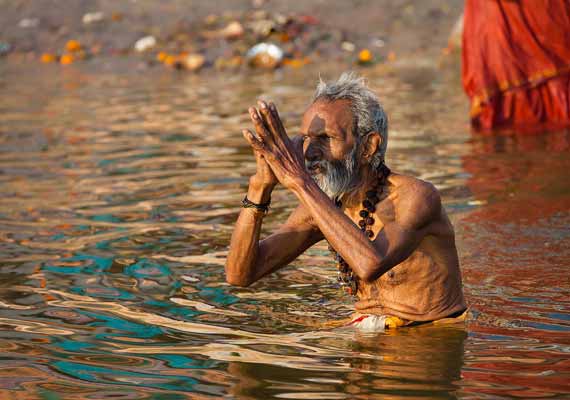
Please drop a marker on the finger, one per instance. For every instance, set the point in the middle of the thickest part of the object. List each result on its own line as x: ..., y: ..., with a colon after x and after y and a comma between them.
x: 252, y: 140
x: 258, y: 157
x: 297, y: 141
x: 260, y: 128
x: 277, y: 119
x: 271, y: 122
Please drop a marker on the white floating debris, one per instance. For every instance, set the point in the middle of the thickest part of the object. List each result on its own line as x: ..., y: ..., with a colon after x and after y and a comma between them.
x: 232, y: 30
x: 347, y: 46
x: 93, y: 17
x: 264, y: 55
x: 29, y: 23
x: 193, y: 62
x: 145, y: 43
x: 378, y: 43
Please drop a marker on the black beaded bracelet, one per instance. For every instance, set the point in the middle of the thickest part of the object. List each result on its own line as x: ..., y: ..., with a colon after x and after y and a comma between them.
x: 247, y: 203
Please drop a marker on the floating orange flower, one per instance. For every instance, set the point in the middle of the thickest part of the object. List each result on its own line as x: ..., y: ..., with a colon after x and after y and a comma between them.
x: 66, y: 59
x: 364, y: 56
x: 161, y: 56
x: 296, y: 62
x: 48, y: 58
x: 284, y: 37
x: 72, y: 46
x: 170, y: 60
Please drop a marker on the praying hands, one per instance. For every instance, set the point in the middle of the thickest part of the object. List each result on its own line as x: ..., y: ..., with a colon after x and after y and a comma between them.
x: 271, y: 145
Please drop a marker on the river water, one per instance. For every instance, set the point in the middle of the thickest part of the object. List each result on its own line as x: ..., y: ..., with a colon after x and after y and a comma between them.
x: 120, y: 187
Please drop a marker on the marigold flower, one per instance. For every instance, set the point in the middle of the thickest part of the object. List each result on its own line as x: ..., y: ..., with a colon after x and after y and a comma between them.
x: 72, y: 46
x: 364, y: 56
x: 296, y: 62
x: 170, y: 60
x: 48, y: 58
x: 66, y: 59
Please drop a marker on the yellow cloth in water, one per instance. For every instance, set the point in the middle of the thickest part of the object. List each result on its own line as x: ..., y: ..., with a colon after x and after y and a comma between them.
x: 371, y: 322
x: 396, y: 322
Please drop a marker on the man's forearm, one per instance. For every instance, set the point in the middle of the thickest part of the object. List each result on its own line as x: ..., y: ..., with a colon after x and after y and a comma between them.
x: 347, y: 239
x: 244, y: 246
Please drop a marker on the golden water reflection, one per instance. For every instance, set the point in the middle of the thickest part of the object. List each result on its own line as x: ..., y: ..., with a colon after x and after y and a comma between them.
x: 119, y: 192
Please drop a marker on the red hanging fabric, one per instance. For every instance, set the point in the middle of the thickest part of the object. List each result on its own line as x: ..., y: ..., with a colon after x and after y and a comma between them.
x: 516, y: 62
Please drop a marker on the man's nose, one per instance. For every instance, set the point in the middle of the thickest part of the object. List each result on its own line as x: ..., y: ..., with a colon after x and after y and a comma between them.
x: 312, y: 153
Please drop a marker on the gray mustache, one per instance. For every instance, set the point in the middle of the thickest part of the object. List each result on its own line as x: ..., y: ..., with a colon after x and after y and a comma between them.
x: 314, y: 164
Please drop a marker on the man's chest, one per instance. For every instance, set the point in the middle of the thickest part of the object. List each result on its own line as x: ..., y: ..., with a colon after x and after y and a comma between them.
x: 384, y: 214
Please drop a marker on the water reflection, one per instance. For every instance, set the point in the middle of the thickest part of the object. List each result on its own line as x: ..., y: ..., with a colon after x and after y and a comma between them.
x: 119, y: 191
x: 528, y: 172
x: 417, y: 362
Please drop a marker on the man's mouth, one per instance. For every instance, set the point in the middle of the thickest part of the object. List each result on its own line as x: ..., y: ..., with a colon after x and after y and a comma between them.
x: 315, y: 169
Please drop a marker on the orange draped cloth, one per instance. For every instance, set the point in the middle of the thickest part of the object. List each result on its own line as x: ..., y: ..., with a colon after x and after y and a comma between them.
x: 516, y: 62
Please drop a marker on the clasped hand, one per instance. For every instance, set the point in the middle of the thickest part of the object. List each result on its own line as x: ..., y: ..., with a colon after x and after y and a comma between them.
x: 271, y: 143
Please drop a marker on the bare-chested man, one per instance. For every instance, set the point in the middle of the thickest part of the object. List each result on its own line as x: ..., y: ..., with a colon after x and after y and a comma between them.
x: 395, y: 245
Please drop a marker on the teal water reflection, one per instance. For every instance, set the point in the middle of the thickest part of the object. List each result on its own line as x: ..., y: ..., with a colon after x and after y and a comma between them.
x: 119, y: 195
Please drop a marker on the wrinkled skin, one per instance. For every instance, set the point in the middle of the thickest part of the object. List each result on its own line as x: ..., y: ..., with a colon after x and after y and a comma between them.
x: 409, y: 269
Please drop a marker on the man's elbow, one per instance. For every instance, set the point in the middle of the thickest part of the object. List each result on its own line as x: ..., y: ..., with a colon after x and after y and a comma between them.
x: 369, y: 276
x: 238, y: 281
x: 371, y: 271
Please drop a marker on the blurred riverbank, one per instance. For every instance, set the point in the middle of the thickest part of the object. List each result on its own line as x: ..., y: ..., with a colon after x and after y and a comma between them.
x: 221, y: 34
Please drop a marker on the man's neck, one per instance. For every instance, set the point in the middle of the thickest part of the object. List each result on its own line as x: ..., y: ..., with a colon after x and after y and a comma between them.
x: 355, y: 197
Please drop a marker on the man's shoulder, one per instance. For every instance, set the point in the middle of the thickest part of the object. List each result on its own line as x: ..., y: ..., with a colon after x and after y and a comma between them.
x: 418, y: 201
x: 410, y: 186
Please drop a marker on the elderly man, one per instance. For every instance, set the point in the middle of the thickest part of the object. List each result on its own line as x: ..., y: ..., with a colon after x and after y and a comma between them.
x: 392, y: 240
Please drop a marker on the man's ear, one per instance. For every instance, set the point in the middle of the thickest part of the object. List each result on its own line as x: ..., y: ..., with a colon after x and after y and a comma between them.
x: 371, y: 143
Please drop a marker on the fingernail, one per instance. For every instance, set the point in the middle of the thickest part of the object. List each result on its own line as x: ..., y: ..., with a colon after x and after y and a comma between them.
x: 263, y: 105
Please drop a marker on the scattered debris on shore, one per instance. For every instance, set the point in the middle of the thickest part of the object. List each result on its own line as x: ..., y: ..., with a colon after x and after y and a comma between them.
x: 254, y: 39
x: 258, y: 39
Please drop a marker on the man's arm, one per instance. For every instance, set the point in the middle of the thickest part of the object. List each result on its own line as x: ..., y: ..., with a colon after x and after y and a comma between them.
x: 250, y: 259
x: 416, y: 212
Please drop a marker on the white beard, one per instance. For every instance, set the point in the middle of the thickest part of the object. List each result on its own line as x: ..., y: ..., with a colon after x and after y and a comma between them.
x: 339, y: 177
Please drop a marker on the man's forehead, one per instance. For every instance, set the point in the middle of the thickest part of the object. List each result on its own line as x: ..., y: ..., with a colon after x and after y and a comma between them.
x: 323, y: 114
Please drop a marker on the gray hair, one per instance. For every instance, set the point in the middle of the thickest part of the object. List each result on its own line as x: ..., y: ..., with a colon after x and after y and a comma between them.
x: 367, y: 112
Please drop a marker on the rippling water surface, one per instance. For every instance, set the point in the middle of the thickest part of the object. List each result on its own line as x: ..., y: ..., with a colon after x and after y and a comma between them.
x: 119, y: 189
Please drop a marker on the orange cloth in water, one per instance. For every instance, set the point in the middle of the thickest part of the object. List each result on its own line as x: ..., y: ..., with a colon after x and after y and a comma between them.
x: 516, y: 62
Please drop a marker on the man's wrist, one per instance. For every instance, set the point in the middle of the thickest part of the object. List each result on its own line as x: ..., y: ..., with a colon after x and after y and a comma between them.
x: 259, y: 192
x: 302, y: 184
